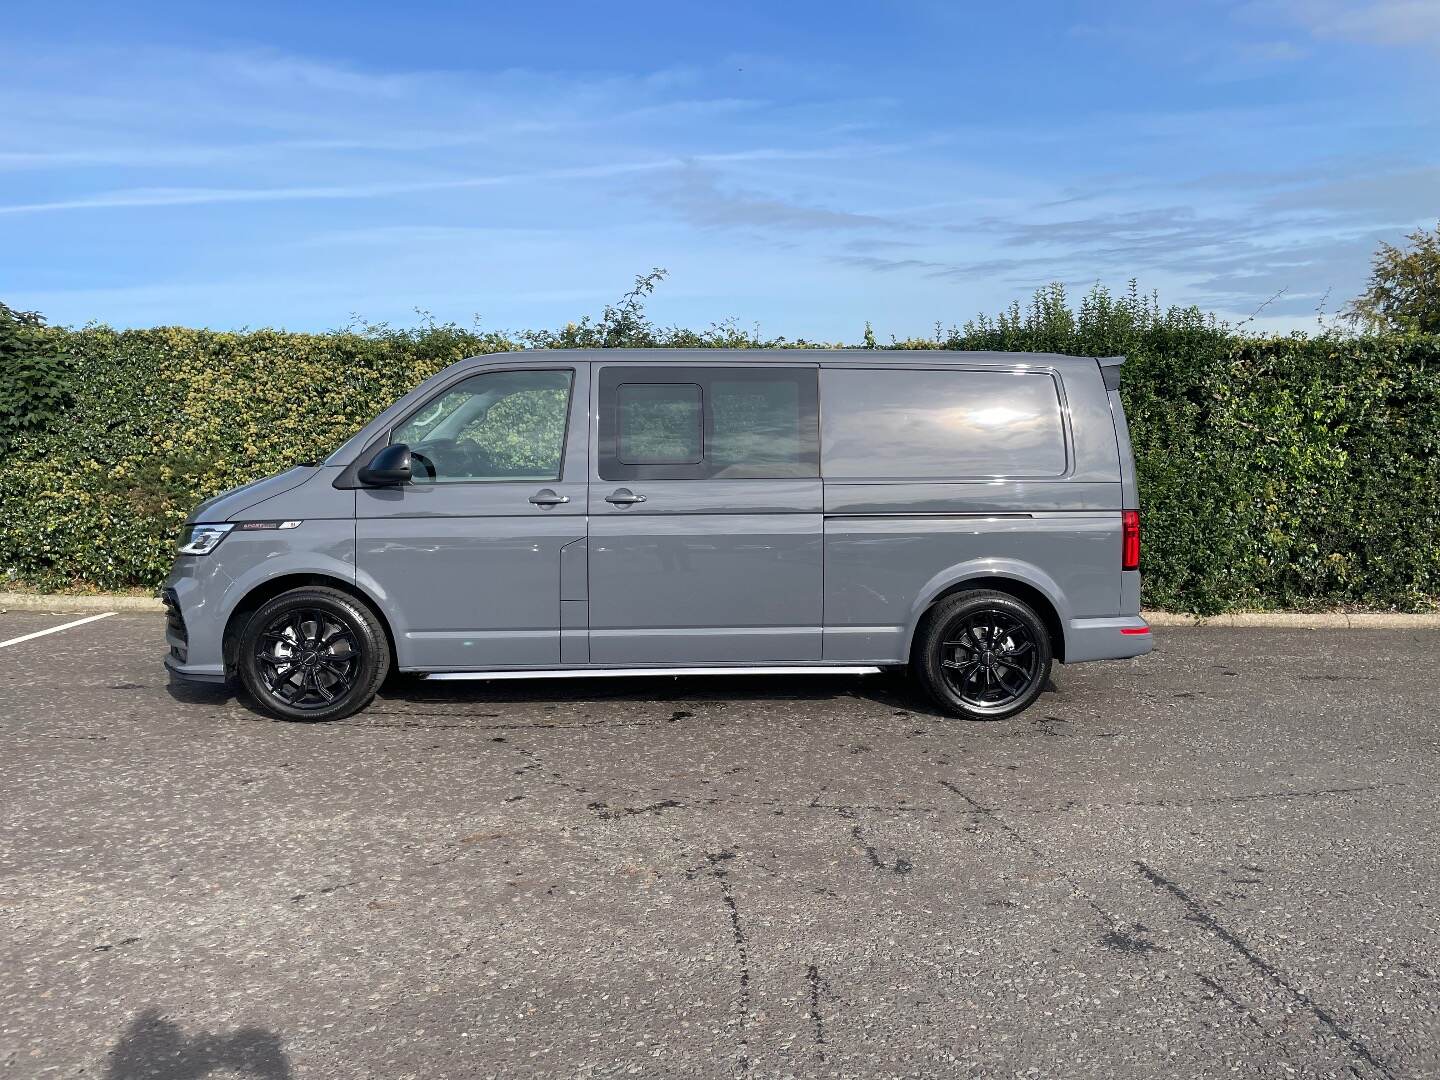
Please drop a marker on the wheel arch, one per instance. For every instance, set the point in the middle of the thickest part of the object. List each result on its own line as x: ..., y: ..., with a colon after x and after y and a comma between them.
x: 270, y: 588
x: 1036, y: 593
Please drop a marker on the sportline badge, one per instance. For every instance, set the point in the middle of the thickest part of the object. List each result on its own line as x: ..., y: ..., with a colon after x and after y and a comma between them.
x: 253, y: 526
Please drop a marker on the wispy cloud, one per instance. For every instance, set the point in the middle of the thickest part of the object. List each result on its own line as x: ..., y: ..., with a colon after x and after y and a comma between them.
x: 689, y: 196
x: 141, y: 156
x: 697, y: 194
x: 1377, y: 22
x: 155, y: 197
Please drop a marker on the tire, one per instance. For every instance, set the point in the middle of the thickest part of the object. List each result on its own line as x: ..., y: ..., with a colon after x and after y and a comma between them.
x: 983, y: 655
x: 313, y: 654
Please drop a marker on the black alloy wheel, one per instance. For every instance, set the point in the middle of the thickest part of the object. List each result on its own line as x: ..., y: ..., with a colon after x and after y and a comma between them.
x: 307, y: 658
x: 984, y: 655
x: 313, y: 653
x: 989, y: 659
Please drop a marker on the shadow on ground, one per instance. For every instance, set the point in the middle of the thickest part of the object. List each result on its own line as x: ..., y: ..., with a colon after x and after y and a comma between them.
x: 154, y: 1048
x: 892, y: 690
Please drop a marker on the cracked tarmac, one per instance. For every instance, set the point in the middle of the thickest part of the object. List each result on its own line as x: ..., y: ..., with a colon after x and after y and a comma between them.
x: 1216, y: 860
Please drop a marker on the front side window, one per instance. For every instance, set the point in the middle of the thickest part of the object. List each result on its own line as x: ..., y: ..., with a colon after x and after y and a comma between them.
x: 683, y: 423
x: 499, y: 425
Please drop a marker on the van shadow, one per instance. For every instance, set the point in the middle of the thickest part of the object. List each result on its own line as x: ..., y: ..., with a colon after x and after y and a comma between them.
x: 154, y: 1048
x: 189, y: 693
x: 890, y: 690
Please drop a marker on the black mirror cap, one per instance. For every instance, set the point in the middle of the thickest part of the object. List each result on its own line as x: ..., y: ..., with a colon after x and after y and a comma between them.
x: 390, y: 467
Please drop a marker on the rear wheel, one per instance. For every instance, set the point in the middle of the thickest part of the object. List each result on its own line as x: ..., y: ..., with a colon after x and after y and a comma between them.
x: 313, y: 654
x: 983, y: 655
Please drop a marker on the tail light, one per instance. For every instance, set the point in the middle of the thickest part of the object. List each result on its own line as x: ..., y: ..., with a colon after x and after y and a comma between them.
x: 1130, y: 540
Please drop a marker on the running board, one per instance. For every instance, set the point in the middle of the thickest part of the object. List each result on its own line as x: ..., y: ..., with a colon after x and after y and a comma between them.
x: 601, y: 673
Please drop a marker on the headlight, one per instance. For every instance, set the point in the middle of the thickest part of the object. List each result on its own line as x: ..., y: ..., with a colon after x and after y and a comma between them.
x: 202, y: 539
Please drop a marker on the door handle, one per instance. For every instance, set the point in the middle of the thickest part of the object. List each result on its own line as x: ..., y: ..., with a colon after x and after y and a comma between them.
x: 624, y: 497
x: 548, y: 497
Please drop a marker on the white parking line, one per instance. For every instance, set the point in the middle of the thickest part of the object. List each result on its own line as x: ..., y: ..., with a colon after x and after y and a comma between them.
x: 54, y: 629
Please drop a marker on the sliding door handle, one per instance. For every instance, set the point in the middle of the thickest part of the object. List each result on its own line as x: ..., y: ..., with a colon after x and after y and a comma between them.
x: 624, y: 497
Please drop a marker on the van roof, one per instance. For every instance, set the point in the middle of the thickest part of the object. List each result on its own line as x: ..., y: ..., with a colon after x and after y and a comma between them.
x: 860, y: 357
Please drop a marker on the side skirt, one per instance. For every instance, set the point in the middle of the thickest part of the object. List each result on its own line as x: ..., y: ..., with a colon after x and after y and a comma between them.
x: 601, y: 673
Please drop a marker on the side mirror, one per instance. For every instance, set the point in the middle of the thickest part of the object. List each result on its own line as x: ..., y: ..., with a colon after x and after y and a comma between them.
x: 389, y: 467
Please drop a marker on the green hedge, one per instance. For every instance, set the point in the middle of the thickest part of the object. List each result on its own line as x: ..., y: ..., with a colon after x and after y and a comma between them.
x: 1291, y: 473
x: 1296, y: 472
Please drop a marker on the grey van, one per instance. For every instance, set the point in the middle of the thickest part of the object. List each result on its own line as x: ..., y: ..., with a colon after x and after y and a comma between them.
x: 971, y: 516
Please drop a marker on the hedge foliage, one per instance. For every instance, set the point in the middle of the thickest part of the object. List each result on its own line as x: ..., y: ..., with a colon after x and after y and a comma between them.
x: 1292, y: 472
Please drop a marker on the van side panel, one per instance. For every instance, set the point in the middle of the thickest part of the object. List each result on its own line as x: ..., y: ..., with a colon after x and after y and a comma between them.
x: 882, y: 572
x: 894, y: 540
x: 703, y: 588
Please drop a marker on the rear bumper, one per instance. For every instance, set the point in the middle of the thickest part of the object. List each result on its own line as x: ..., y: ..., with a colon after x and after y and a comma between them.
x: 1117, y: 638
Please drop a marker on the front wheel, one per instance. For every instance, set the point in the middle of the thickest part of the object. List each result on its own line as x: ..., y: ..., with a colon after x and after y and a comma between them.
x: 983, y: 655
x: 313, y: 654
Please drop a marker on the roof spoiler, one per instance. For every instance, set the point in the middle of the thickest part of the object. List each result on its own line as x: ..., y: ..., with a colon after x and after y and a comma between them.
x: 1110, y: 370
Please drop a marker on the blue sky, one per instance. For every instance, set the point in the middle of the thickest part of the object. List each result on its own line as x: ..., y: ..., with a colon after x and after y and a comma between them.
x: 800, y: 166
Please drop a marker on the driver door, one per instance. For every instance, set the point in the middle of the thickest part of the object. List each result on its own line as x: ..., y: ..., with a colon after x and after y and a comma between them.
x: 467, y: 557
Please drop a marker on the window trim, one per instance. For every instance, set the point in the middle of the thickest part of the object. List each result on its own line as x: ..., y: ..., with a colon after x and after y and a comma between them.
x: 568, y: 369
x: 620, y: 426
x: 608, y: 378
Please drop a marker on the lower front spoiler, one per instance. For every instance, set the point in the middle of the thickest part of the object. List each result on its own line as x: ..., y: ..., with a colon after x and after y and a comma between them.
x: 205, y: 678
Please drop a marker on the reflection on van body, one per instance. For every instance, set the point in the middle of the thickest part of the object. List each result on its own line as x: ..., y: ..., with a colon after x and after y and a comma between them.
x: 971, y: 516
x: 941, y: 424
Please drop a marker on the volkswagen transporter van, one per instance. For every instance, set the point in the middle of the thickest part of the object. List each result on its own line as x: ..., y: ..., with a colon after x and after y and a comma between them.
x: 970, y: 516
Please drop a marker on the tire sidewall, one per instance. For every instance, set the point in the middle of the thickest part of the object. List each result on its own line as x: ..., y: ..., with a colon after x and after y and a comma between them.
x: 374, y: 653
x: 937, y: 629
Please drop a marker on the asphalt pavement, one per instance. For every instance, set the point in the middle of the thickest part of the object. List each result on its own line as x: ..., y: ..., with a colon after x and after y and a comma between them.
x: 1217, y: 860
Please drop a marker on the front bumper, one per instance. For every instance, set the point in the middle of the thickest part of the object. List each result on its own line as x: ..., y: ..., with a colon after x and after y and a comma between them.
x: 191, y: 633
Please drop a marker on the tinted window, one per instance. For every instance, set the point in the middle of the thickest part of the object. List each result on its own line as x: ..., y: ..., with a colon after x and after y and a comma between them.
x: 660, y: 423
x: 906, y: 424
x: 501, y: 425
x: 758, y: 428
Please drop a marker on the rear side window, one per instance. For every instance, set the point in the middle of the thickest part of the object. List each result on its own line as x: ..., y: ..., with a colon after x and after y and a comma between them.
x: 762, y: 426
x: 659, y: 423
x: 924, y: 425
